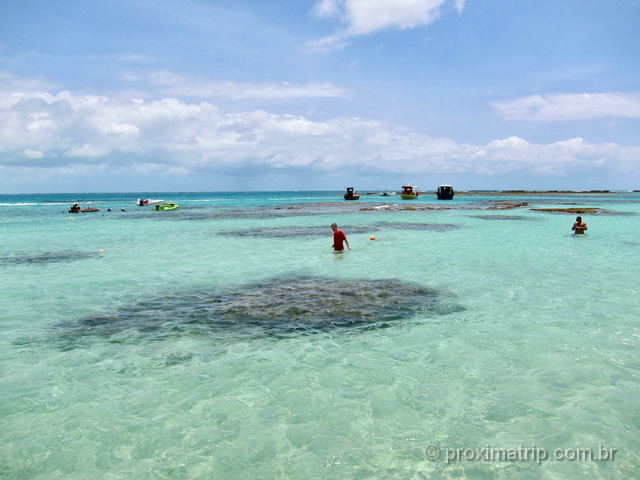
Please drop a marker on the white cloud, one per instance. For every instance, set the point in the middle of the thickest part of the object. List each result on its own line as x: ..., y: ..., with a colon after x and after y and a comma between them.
x: 123, y: 57
x: 10, y: 83
x: 171, y: 84
x: 367, y: 16
x: 362, y: 17
x: 31, y: 153
x: 59, y: 130
x: 327, y: 8
x: 86, y: 151
x: 459, y: 4
x: 563, y: 107
x: 237, y: 91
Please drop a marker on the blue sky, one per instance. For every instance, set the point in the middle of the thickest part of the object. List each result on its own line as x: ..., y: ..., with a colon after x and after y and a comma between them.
x: 215, y: 95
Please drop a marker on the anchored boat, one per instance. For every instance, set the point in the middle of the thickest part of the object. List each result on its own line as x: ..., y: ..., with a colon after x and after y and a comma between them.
x: 147, y: 201
x: 409, y: 192
x: 89, y: 207
x: 445, y: 192
x: 166, y: 206
x: 351, y: 195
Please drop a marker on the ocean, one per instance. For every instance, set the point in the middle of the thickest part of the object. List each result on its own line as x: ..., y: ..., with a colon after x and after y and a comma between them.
x: 471, y: 338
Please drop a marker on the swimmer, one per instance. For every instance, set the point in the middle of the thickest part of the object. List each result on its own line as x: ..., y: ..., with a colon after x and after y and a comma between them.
x: 579, y: 227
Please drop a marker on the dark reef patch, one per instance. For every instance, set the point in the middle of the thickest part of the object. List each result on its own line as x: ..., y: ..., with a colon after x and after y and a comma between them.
x: 500, y: 217
x: 47, y: 257
x: 281, y: 307
x: 201, y: 214
x: 436, y: 227
x: 283, y: 232
x: 573, y: 211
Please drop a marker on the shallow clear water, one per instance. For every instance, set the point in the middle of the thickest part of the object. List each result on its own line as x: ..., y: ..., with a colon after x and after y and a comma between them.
x: 226, y: 340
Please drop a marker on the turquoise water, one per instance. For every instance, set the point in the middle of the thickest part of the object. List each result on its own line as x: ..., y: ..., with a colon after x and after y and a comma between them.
x: 226, y: 340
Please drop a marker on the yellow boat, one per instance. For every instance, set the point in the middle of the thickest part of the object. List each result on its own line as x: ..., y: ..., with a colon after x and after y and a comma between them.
x: 409, y: 192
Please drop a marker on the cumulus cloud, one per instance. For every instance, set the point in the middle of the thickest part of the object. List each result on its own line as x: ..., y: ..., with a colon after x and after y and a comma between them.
x: 362, y: 17
x: 61, y: 130
x: 562, y: 107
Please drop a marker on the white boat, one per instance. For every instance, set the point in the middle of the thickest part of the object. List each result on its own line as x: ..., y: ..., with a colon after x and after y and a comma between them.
x: 387, y: 191
x: 147, y: 201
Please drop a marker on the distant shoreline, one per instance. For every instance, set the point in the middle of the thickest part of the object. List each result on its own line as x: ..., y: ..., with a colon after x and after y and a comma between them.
x: 528, y: 192
x: 538, y: 192
x: 363, y: 192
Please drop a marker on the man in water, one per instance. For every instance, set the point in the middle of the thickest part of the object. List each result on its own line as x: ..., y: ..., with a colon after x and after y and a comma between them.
x: 338, y: 238
x: 579, y: 227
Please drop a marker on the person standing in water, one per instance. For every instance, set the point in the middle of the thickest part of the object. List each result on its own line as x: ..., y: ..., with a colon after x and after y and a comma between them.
x: 579, y: 227
x: 338, y: 238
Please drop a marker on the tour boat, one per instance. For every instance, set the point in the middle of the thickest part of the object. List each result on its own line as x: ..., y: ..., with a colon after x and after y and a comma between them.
x: 409, y: 192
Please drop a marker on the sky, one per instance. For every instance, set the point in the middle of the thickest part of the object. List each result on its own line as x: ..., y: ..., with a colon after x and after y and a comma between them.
x: 234, y: 95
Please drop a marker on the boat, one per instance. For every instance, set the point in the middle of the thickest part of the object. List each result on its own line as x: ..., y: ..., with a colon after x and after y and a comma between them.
x: 147, y: 201
x: 387, y: 191
x: 88, y: 207
x: 351, y: 195
x: 166, y: 206
x: 445, y: 192
x: 409, y: 192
